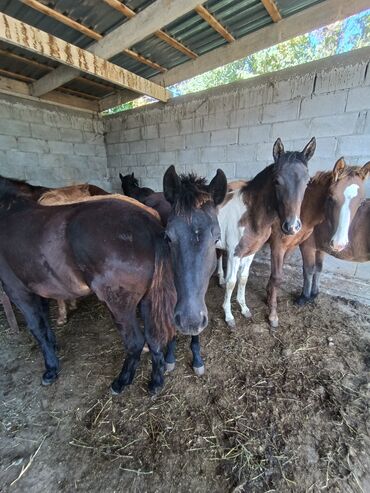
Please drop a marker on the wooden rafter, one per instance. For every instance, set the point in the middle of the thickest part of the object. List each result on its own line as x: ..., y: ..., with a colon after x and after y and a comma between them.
x: 126, y: 11
x: 47, y: 68
x: 22, y: 89
x: 213, y: 22
x: 20, y: 34
x: 40, y: 7
x: 272, y: 9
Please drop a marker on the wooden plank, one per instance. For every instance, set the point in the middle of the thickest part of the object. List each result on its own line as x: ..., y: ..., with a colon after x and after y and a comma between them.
x: 20, y: 34
x: 158, y: 14
x: 213, y: 22
x: 272, y: 9
x: 87, y: 31
x: 303, y: 22
x: 22, y: 89
x: 175, y: 44
x: 123, y: 9
x: 8, y: 309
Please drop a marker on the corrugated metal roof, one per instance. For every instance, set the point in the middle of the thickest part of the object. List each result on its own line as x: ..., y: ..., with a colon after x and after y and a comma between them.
x: 239, y: 17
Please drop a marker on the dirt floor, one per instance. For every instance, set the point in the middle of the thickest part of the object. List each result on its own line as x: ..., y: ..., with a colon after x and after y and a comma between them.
x: 284, y: 411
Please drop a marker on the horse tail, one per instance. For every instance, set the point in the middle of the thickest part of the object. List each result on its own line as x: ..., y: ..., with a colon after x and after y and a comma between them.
x: 162, y: 294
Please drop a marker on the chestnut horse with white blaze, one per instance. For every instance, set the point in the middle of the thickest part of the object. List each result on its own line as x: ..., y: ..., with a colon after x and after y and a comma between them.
x: 343, y: 231
x: 248, y: 213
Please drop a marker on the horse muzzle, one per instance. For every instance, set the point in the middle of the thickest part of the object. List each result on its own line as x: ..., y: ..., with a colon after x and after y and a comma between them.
x: 190, y: 324
x: 291, y: 227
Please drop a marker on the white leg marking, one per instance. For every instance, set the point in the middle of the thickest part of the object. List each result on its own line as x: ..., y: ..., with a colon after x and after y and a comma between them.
x: 220, y: 271
x: 340, y: 238
x: 231, y: 276
x: 242, y: 281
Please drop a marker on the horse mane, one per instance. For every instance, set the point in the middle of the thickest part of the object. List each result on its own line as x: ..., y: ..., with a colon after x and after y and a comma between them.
x: 326, y: 177
x: 193, y: 193
x: 259, y: 180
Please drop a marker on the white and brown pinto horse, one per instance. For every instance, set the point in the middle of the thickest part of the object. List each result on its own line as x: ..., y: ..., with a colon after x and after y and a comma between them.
x: 247, y: 214
x: 337, y: 201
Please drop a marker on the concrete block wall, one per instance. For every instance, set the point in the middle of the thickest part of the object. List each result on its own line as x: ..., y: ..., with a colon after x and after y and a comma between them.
x: 234, y: 127
x: 51, y: 146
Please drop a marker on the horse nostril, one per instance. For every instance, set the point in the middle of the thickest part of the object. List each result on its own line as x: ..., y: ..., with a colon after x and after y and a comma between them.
x: 177, y: 320
x: 204, y: 321
x: 285, y: 227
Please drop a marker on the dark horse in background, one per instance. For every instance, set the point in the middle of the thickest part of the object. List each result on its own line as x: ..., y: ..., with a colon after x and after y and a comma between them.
x: 55, y: 252
x: 130, y: 187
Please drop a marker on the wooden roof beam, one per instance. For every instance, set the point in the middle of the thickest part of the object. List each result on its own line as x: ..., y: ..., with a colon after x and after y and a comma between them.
x: 40, y: 7
x: 213, y: 22
x: 126, y: 11
x: 22, y: 89
x: 145, y: 23
x: 20, y: 34
x: 272, y: 9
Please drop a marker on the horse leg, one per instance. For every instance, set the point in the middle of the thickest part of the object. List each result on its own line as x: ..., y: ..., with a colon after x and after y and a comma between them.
x: 245, y: 264
x: 62, y: 312
x: 32, y: 309
x: 198, y: 363
x: 73, y: 305
x: 277, y: 261
x: 233, y: 263
x: 319, y: 260
x: 220, y: 271
x: 45, y: 316
x: 157, y: 378
x: 308, y: 258
x: 170, y: 358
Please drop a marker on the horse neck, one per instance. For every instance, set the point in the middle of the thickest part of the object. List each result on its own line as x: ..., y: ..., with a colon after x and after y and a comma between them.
x: 261, y: 202
x: 313, y: 206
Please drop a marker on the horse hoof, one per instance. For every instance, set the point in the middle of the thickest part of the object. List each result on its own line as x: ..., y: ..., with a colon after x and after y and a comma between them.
x: 48, y: 378
x: 274, y: 324
x: 116, y: 388
x: 114, y: 392
x: 169, y: 366
x: 231, y: 324
x: 246, y: 313
x: 154, y: 389
x: 199, y: 371
x: 145, y: 348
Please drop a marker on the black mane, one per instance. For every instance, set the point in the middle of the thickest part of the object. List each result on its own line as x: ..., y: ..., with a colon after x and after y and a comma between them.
x: 192, y: 194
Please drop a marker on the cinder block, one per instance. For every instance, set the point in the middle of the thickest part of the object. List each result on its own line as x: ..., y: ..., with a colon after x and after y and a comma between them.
x: 255, y: 134
x: 215, y: 122
x: 130, y: 135
x: 93, y: 138
x: 153, y: 183
x: 197, y: 168
x: 227, y: 168
x: 100, y: 151
x: 358, y: 99
x: 84, y: 149
x: 187, y: 156
x: 213, y: 154
x: 222, y: 137
x: 66, y: 134
x: 167, y: 157
x: 57, y: 147
x: 248, y: 169
x: 29, y: 144
x: 326, y: 147
x: 323, y: 104
x: 147, y: 159
x: 238, y: 152
x: 128, y: 160
x: 11, y: 169
x: 340, y: 78
x: 133, y: 120
x: 186, y: 126
x: 293, y: 87
x: 12, y: 127
x: 150, y: 132
x: 169, y: 129
x: 246, y: 116
x: 156, y: 171
x: 198, y: 140
x: 116, y: 161
x: 326, y: 126
x: 8, y: 142
x: 20, y: 158
x: 97, y: 163
x: 289, y: 130
x: 155, y: 145
x: 174, y: 143
x: 280, y: 112
x: 137, y: 147
x: 353, y: 145
x: 113, y: 137
x: 260, y: 95
x: 56, y: 161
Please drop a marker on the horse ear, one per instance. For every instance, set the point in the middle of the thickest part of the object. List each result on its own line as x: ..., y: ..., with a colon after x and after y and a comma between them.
x: 365, y: 170
x: 171, y: 184
x: 278, y: 149
x: 309, y: 149
x: 121, y: 177
x: 338, y: 168
x: 218, y: 187
x: 132, y: 175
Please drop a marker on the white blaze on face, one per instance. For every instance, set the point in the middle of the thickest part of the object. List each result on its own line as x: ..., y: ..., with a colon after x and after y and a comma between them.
x: 340, y: 239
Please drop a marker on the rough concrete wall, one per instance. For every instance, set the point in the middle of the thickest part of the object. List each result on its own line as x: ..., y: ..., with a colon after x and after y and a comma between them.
x: 49, y: 145
x: 234, y: 127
